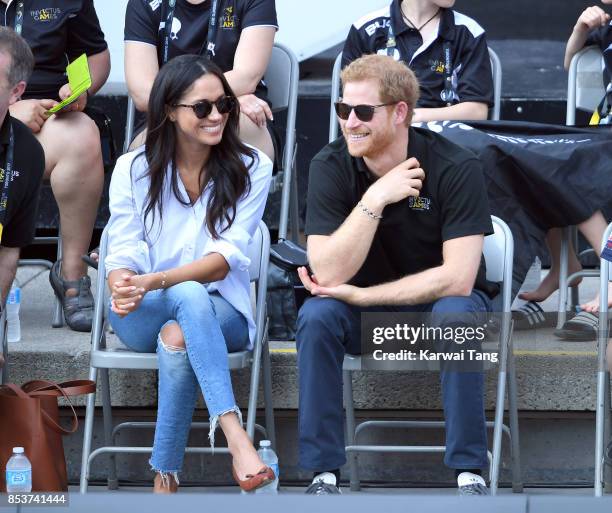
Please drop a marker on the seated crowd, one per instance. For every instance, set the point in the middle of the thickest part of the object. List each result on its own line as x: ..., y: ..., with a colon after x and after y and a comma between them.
x: 188, y: 198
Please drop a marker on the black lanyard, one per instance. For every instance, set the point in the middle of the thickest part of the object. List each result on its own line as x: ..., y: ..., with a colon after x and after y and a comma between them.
x: 169, y: 17
x: 6, y: 175
x: 391, y: 44
x: 448, y: 74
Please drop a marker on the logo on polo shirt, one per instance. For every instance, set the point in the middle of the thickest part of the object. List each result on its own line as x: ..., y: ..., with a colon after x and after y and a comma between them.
x: 154, y: 4
x: 47, y: 14
x: 228, y: 19
x: 436, y: 66
x: 420, y: 203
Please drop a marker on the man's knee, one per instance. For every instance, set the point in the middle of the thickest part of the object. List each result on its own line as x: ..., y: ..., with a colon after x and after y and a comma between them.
x: 74, y: 135
x: 171, y: 337
x: 456, y: 310
x: 317, y: 316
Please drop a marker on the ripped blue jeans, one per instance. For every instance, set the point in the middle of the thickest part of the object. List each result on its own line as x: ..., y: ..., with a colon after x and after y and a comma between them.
x: 211, y: 327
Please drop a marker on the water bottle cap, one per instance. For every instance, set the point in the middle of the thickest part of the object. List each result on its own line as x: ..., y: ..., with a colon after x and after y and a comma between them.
x: 265, y: 443
x: 18, y: 450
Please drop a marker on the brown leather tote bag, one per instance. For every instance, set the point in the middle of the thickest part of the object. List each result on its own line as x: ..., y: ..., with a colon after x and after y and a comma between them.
x: 29, y: 418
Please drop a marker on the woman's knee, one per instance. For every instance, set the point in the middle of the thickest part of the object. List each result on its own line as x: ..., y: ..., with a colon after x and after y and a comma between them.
x: 171, y: 337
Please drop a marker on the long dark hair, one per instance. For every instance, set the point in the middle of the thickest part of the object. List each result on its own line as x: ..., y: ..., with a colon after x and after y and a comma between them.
x: 225, y: 170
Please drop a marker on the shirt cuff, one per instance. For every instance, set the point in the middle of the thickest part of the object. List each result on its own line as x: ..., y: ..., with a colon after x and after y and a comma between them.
x: 235, y: 259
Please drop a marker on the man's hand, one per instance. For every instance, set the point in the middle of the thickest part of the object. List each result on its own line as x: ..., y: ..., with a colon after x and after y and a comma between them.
x: 78, y: 105
x: 32, y: 113
x: 592, y: 18
x: 347, y: 293
x: 402, y: 181
x: 128, y: 292
x: 255, y: 109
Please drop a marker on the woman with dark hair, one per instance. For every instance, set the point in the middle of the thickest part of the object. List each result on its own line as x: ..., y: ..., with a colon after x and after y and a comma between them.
x: 183, y: 209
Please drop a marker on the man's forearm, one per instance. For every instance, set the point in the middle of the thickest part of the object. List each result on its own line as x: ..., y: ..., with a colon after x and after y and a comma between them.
x: 9, y: 258
x: 575, y: 43
x: 342, y: 255
x: 99, y: 66
x: 464, y: 110
x: 416, y: 289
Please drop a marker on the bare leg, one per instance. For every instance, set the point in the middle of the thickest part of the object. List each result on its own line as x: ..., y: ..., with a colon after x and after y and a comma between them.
x: 550, y: 283
x: 73, y: 157
x: 256, y: 136
x: 164, y: 484
x: 593, y: 229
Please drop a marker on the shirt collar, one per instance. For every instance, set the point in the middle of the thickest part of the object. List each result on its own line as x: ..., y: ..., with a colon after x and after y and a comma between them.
x: 447, y: 21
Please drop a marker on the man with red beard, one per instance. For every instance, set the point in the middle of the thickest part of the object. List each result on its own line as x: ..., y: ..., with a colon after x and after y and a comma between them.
x: 395, y: 221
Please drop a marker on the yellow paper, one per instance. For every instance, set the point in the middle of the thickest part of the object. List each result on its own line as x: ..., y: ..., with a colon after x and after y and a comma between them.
x: 79, y: 80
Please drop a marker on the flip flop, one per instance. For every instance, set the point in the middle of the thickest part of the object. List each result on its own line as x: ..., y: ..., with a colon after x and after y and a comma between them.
x: 531, y: 316
x: 580, y: 328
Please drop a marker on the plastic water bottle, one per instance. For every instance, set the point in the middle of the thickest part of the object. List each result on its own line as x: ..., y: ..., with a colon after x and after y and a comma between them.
x: 268, y: 456
x: 18, y: 472
x: 13, y: 302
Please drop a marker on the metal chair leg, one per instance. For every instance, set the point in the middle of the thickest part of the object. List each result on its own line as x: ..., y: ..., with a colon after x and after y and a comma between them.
x: 563, y: 265
x: 252, y: 411
x: 607, y: 477
x: 349, y: 407
x: 107, y: 412
x: 58, y: 313
x: 267, y: 386
x: 295, y: 207
x: 517, y: 481
x: 87, y: 434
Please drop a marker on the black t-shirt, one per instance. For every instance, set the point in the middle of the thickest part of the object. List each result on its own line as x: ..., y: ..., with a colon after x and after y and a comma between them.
x: 471, y: 76
x: 602, y: 37
x: 28, y: 167
x: 189, y: 32
x: 453, y: 203
x: 58, y: 32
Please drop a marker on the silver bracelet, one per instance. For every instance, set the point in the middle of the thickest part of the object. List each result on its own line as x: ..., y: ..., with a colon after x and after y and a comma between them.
x: 368, y: 212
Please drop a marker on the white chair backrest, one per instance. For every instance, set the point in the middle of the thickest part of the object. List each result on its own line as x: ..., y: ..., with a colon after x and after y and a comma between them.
x: 496, y: 72
x: 278, y: 77
x: 495, y: 252
x: 585, y: 87
x: 260, y: 243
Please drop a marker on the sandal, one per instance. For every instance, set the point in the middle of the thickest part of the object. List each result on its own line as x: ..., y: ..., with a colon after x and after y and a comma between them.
x: 531, y: 316
x: 580, y: 328
x: 89, y: 260
x: 254, y: 481
x: 78, y: 310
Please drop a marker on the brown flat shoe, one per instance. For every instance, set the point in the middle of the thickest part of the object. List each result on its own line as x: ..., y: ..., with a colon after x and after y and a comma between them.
x: 252, y: 482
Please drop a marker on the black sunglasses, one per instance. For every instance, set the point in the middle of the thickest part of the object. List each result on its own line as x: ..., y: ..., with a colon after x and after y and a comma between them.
x: 363, y: 112
x: 203, y: 108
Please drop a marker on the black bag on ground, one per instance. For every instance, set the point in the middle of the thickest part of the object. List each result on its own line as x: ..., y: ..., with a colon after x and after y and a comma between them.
x: 285, y: 290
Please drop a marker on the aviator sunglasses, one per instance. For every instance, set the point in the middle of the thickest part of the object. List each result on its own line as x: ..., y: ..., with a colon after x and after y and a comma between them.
x: 363, y: 112
x: 203, y: 108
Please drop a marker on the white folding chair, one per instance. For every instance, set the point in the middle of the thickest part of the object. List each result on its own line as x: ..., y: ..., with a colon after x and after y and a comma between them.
x: 602, y: 410
x: 496, y: 71
x: 498, y: 252
x: 281, y: 78
x: 103, y: 359
x: 585, y: 89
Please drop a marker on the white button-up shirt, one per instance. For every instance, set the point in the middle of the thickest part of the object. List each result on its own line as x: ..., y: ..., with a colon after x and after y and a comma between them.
x: 182, y: 236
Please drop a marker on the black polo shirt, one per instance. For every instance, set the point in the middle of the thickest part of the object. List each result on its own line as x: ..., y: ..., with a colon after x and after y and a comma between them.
x: 28, y: 167
x: 58, y: 32
x: 472, y: 79
x: 453, y: 203
x: 190, y: 27
x: 602, y: 37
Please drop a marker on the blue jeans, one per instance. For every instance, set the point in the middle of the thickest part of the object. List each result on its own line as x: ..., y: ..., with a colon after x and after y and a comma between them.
x: 327, y: 329
x: 211, y: 328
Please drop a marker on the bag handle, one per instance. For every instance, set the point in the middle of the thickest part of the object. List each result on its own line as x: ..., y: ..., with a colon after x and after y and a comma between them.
x: 49, y: 388
x: 66, y: 388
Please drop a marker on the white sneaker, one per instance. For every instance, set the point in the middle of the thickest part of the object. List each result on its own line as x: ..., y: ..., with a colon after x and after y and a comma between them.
x: 323, y: 484
x: 471, y: 484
